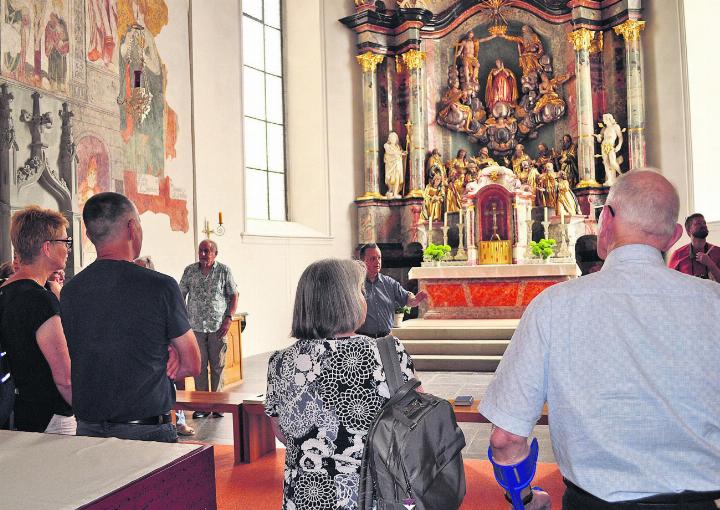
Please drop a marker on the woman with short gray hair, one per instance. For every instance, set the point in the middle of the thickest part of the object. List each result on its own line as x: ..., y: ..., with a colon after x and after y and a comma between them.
x: 326, y: 389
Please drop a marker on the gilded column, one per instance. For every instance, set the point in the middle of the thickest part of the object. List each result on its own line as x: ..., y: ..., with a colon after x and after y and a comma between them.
x: 630, y: 30
x: 413, y: 60
x: 581, y: 40
x: 369, y: 61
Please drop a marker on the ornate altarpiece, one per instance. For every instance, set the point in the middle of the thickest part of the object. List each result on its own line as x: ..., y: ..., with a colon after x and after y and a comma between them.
x: 417, y: 83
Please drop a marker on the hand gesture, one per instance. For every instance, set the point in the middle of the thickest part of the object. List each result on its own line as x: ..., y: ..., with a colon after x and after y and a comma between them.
x: 541, y: 501
x: 703, y: 258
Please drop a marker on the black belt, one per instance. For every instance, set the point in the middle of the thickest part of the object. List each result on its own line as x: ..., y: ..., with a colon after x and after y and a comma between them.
x: 373, y: 335
x: 668, y: 499
x: 152, y: 420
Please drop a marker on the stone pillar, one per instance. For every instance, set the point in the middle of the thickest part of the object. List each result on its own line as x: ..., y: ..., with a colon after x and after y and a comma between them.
x: 413, y: 60
x: 630, y: 30
x: 371, y: 144
x: 581, y: 39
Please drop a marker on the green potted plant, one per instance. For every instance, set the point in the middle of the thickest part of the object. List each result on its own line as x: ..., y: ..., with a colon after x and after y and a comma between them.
x: 400, y: 315
x: 543, y: 248
x: 436, y: 252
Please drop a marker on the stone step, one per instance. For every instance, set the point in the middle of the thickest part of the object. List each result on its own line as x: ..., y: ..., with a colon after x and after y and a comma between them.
x: 456, y: 347
x: 459, y: 329
x: 459, y: 363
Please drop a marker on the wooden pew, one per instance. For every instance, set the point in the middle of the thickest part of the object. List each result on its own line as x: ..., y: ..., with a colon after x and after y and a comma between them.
x: 252, y: 433
x: 470, y: 414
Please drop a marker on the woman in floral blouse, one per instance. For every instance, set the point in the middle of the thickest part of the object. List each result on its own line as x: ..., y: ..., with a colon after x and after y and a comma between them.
x: 325, y: 390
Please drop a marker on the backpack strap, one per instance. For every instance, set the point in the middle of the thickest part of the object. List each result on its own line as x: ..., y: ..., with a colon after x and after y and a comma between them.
x: 390, y: 363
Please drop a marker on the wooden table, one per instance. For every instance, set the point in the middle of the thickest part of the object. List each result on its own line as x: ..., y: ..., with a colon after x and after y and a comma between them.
x: 252, y: 434
x: 471, y: 414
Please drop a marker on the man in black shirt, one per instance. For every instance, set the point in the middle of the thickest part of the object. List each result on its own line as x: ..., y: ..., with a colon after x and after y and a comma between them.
x: 127, y: 332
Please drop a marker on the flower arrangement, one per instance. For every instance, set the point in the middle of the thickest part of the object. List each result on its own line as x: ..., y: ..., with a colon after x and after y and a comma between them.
x: 436, y: 252
x: 543, y: 248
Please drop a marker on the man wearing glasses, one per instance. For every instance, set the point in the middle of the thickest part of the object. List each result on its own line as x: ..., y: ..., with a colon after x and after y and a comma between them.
x: 127, y: 330
x: 698, y: 258
x: 30, y: 328
x: 632, y: 402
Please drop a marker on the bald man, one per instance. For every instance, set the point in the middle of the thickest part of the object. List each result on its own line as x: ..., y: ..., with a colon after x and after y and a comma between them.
x: 632, y: 400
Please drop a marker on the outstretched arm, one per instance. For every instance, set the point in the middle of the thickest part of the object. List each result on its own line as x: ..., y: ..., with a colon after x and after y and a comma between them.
x: 415, y: 299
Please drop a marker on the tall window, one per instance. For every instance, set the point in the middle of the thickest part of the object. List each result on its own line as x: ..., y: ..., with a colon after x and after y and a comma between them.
x: 263, y: 119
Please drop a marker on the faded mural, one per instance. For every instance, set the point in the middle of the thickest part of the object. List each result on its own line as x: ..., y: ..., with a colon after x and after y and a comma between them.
x: 99, y: 56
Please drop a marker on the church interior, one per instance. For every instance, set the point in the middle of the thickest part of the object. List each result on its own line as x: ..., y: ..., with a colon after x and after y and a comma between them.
x: 474, y: 141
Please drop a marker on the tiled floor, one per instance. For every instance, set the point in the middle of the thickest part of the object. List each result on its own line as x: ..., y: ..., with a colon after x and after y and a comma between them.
x: 442, y: 384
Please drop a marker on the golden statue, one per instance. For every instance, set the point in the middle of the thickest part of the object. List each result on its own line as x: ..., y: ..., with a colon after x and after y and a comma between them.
x: 454, y: 191
x: 548, y: 92
x: 530, y: 49
x: 518, y: 157
x: 501, y: 86
x: 546, y: 190
x: 435, y: 165
x: 567, y: 203
x: 483, y: 159
x: 433, y: 197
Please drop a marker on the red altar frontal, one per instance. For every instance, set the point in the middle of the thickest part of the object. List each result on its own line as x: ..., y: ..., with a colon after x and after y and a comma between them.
x: 486, y: 292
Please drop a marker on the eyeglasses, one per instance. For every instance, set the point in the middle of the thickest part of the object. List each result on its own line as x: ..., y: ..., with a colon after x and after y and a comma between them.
x: 68, y: 242
x: 609, y: 208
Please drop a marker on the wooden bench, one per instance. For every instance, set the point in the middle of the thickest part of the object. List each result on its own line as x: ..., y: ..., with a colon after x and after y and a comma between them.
x: 252, y: 433
x: 471, y: 414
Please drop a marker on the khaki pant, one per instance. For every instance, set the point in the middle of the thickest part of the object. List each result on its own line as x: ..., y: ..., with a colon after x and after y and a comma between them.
x: 212, y: 350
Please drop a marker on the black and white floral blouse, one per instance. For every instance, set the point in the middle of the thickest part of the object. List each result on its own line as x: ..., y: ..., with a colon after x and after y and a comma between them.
x: 325, y: 394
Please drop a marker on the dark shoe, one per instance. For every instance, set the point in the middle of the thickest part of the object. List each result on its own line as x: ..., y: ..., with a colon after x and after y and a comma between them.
x: 199, y: 414
x: 217, y: 415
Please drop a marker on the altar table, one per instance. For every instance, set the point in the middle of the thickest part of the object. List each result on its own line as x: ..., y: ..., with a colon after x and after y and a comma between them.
x: 500, y: 291
x: 48, y: 471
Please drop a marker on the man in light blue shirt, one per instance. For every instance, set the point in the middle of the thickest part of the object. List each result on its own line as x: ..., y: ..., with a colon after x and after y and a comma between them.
x: 627, y: 361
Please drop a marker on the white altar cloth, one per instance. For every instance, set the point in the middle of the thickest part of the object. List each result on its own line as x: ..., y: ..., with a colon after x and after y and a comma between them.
x: 495, y: 271
x: 48, y: 471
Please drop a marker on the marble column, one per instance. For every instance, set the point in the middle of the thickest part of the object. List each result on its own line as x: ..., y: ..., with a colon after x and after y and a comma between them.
x: 581, y: 40
x: 371, y: 144
x: 630, y: 30
x: 413, y: 60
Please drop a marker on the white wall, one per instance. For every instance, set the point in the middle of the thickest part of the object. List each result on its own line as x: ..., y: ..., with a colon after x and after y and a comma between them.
x: 322, y: 116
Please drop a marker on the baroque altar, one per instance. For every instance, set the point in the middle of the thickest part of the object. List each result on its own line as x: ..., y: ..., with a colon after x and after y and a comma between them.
x: 481, y: 120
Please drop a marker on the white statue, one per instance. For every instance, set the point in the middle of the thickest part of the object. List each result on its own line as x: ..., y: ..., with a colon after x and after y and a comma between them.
x: 611, y: 140
x: 394, y: 166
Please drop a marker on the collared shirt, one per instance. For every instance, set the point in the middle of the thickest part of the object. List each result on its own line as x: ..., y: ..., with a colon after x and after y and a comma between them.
x: 627, y: 360
x: 683, y: 260
x: 383, y: 297
x: 208, y: 297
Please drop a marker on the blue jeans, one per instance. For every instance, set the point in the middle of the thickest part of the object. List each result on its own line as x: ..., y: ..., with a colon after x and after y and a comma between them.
x: 165, y: 433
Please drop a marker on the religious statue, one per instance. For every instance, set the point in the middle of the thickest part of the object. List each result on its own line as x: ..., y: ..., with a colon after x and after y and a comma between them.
x: 454, y: 191
x: 435, y: 165
x: 483, y: 159
x: 528, y: 176
x: 455, y: 111
x: 467, y: 50
x: 501, y: 86
x: 568, y: 160
x: 567, y: 203
x: 460, y: 161
x: 471, y: 187
x: 549, y: 98
x: 546, y: 190
x: 530, y: 50
x: 544, y: 156
x: 611, y: 140
x: 518, y: 157
x: 394, y: 166
x: 433, y: 197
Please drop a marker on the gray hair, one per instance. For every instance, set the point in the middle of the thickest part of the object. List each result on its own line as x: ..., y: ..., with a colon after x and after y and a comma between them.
x: 102, y: 214
x: 646, y: 200
x: 329, y: 299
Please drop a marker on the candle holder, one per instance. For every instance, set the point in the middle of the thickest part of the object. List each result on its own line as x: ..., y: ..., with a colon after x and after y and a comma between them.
x: 546, y: 228
x: 445, y: 229
x: 218, y: 231
x: 528, y: 251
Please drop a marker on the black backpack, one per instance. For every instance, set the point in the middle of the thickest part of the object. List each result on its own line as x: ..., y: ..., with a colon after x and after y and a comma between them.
x: 413, y: 448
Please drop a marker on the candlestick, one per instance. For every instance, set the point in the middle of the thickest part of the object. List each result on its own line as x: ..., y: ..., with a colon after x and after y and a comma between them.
x: 430, y: 232
x: 220, y: 218
x: 562, y: 216
x: 445, y: 223
x: 545, y: 213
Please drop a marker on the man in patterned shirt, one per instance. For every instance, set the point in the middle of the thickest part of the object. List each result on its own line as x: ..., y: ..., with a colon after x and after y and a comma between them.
x: 212, y: 297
